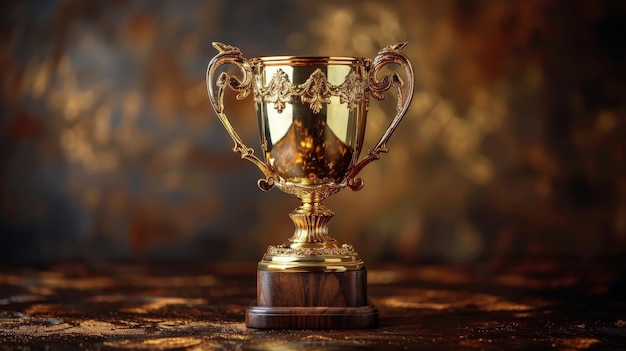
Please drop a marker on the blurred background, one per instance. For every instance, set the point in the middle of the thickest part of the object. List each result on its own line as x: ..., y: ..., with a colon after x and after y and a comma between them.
x: 514, y: 144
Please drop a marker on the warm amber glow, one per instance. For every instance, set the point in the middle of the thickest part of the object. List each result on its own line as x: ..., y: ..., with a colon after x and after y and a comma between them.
x: 513, y: 142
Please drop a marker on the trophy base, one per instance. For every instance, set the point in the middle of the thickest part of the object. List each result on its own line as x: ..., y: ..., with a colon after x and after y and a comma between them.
x: 261, y: 317
x: 311, y: 300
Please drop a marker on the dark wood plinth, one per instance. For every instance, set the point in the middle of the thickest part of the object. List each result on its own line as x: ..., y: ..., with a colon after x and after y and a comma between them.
x: 311, y: 300
x: 312, y: 317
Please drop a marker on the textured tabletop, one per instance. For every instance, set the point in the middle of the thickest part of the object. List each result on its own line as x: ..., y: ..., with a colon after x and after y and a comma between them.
x: 531, y: 304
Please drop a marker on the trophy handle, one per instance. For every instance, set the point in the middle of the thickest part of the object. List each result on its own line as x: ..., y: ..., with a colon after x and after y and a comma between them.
x: 232, y: 55
x: 387, y: 55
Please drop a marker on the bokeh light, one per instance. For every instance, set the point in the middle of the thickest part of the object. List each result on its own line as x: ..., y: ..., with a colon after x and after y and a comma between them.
x: 514, y: 143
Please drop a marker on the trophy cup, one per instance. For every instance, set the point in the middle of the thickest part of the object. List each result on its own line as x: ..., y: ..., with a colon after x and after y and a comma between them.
x: 311, y: 114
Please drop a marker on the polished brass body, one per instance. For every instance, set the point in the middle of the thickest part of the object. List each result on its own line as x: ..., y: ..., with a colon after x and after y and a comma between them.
x: 312, y: 113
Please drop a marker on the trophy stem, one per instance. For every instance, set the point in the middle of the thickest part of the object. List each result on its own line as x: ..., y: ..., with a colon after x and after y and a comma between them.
x: 311, y: 249
x: 311, y: 222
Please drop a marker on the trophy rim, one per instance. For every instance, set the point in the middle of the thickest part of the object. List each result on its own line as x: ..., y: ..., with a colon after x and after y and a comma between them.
x: 307, y: 60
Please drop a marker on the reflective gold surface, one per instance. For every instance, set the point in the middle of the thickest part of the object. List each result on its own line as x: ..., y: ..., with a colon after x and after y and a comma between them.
x: 311, y: 115
x: 313, y: 138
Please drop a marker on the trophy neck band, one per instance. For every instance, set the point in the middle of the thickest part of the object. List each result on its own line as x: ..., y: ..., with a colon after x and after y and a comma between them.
x: 309, y: 60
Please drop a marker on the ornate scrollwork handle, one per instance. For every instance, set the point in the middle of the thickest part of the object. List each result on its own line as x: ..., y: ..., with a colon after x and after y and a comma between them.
x: 377, y: 87
x: 232, y: 55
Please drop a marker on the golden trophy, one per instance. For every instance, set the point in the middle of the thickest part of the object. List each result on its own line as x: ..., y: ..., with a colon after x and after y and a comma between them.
x: 311, y: 114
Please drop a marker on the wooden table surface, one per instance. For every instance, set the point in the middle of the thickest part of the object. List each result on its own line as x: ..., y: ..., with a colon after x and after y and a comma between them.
x: 562, y: 304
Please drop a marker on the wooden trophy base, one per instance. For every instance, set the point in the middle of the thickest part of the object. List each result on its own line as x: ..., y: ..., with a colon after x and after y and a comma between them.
x: 311, y: 300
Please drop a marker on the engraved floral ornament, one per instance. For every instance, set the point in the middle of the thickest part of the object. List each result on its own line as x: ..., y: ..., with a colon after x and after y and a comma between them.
x: 278, y: 91
x: 315, y: 91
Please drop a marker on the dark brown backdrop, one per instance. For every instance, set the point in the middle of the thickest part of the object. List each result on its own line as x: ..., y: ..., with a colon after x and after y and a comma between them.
x: 514, y: 144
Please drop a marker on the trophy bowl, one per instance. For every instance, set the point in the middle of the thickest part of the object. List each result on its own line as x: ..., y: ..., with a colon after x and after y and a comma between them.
x: 312, y: 115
